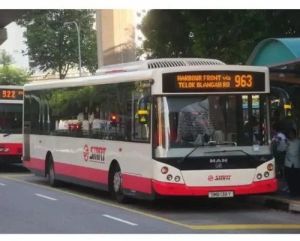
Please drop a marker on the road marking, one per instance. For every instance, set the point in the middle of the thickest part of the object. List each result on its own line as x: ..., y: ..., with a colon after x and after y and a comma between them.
x: 46, y: 197
x: 119, y: 219
x: 170, y: 221
x: 110, y: 204
x: 2, y: 184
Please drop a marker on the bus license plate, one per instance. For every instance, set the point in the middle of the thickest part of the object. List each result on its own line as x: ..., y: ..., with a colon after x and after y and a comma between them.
x: 220, y: 194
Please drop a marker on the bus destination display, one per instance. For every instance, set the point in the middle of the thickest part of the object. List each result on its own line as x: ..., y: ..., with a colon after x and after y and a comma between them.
x: 11, y: 94
x: 213, y: 81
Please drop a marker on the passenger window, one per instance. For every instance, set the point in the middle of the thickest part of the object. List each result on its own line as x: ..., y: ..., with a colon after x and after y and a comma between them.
x: 142, y: 114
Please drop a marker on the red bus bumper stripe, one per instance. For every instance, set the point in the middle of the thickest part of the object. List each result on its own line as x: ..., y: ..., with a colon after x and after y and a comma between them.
x: 172, y: 189
x: 137, y: 183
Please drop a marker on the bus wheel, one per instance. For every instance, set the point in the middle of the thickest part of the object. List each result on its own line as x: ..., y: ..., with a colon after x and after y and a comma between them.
x: 116, y: 185
x: 51, y: 173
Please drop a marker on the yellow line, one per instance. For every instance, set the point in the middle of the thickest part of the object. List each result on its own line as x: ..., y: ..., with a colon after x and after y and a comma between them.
x: 193, y: 227
x: 245, y: 226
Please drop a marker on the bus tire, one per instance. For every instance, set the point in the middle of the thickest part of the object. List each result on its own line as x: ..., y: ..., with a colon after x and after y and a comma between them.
x: 51, y: 172
x: 115, y: 184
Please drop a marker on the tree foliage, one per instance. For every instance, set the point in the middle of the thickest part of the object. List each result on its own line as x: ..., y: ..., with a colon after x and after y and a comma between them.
x: 167, y: 34
x: 10, y: 75
x: 228, y: 35
x: 53, y: 45
x: 5, y: 58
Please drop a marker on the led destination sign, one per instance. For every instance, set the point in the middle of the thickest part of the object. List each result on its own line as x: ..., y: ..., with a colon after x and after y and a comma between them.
x: 11, y: 94
x: 213, y: 81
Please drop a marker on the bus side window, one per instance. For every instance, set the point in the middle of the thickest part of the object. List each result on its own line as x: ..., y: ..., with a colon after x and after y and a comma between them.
x: 141, y: 130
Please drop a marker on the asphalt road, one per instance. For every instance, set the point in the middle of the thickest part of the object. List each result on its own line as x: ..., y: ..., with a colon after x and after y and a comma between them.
x: 28, y: 205
x: 26, y: 208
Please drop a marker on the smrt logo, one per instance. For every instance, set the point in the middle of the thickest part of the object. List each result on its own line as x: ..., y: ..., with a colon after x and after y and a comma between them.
x: 94, y: 153
x: 219, y: 178
x: 86, y: 153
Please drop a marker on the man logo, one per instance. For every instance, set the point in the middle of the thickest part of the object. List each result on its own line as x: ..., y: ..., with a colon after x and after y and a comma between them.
x: 218, y: 160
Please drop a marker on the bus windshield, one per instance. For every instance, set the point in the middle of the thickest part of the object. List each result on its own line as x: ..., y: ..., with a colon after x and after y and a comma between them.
x: 214, y: 120
x: 11, y: 118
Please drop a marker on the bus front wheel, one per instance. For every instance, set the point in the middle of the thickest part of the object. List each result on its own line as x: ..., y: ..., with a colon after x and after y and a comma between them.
x: 116, y: 185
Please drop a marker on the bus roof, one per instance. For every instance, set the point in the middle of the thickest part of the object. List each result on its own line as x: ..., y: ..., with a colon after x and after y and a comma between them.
x: 157, y: 63
x: 139, y: 70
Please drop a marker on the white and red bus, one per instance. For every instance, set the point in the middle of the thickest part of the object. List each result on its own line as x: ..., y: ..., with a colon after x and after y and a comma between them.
x: 164, y: 127
x: 11, y: 139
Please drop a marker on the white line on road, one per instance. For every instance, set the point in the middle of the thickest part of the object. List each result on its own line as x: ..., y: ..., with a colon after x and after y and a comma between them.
x: 46, y: 197
x: 120, y: 220
x: 2, y: 184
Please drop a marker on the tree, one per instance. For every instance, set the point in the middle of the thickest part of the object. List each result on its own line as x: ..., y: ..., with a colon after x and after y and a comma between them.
x: 5, y: 58
x: 228, y: 35
x: 53, y: 45
x: 167, y: 34
x: 10, y: 75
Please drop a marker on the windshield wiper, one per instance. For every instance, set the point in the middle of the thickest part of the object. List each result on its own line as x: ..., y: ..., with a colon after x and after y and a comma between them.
x: 187, y: 155
x: 210, y: 143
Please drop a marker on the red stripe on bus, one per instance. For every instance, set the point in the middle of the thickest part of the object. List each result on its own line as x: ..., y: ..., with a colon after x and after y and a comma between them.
x: 10, y: 149
x: 131, y: 182
x: 172, y: 189
x: 34, y: 163
x: 85, y: 173
x: 137, y: 183
x: 145, y: 185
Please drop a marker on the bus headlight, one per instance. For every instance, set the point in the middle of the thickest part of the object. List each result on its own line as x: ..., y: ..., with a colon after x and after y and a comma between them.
x: 266, y: 174
x: 164, y: 170
x: 259, y: 176
x: 169, y: 177
x: 177, y: 178
x: 270, y: 167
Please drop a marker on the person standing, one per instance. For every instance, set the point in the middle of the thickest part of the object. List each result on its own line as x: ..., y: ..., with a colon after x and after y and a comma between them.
x: 279, y: 145
x: 292, y: 163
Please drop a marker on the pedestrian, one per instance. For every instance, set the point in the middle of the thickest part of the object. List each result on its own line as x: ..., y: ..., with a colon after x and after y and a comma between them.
x: 279, y: 146
x: 292, y: 163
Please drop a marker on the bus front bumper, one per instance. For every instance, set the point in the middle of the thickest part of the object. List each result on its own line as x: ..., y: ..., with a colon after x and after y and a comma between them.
x: 173, y: 189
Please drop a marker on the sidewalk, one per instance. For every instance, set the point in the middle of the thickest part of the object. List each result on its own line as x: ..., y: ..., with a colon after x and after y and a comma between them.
x: 280, y: 200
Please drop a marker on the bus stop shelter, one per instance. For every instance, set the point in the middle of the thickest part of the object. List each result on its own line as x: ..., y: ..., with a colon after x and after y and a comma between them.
x: 282, y: 56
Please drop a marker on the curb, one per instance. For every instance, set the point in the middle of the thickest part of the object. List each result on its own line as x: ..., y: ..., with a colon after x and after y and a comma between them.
x: 277, y: 202
x: 294, y: 206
